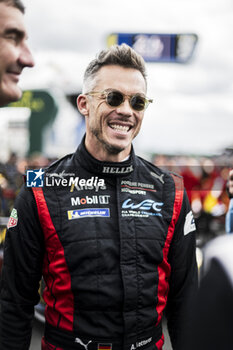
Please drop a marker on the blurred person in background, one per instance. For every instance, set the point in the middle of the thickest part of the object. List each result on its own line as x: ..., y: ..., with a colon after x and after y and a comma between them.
x: 213, y: 310
x: 117, y: 249
x: 14, y: 52
x: 229, y: 215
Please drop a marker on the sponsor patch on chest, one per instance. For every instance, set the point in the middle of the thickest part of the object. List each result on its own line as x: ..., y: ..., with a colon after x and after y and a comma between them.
x: 88, y: 213
x: 137, y: 188
x: 90, y: 200
x: 145, y: 208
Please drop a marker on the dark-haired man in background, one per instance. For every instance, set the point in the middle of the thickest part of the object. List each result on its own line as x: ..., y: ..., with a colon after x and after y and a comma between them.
x: 14, y: 52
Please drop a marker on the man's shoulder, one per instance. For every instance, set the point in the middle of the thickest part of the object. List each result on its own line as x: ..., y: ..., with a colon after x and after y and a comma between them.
x: 159, y: 171
x: 61, y: 163
x: 149, y: 165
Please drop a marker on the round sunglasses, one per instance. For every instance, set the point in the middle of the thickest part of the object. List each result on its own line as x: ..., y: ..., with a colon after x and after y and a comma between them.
x: 115, y: 98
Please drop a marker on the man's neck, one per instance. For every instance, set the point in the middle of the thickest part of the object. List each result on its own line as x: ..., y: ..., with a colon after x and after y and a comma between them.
x: 102, y: 154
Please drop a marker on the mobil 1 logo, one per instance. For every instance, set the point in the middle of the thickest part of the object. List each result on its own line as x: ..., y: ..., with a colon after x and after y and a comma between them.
x: 102, y: 199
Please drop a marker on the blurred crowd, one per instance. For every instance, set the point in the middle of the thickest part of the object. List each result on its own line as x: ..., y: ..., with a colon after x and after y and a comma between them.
x: 205, y: 181
x: 12, y: 177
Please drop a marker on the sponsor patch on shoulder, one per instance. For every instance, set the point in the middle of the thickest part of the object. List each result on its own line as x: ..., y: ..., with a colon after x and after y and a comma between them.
x: 13, y: 219
x: 189, y: 224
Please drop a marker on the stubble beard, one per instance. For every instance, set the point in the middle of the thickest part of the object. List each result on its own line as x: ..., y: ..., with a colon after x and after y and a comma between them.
x: 112, y: 150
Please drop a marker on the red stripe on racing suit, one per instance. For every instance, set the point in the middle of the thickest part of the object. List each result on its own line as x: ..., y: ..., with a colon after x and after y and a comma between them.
x: 59, y: 311
x: 47, y: 346
x: 164, y: 269
x: 160, y: 343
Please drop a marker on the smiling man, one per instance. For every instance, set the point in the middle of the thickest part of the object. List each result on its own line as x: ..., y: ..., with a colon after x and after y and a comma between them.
x: 114, y: 111
x: 14, y: 52
x: 117, y: 248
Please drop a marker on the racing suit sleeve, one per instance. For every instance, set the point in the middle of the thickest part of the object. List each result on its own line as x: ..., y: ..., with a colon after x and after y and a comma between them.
x: 21, y: 274
x: 183, y: 280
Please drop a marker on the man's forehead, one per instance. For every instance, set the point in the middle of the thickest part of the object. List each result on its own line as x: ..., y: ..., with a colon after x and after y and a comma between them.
x: 115, y: 76
x: 11, y: 18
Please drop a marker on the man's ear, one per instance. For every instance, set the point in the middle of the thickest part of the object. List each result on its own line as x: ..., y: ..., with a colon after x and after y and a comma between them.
x: 83, y: 105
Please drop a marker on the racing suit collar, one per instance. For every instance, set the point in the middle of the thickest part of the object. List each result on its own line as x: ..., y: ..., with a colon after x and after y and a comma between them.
x: 106, y: 168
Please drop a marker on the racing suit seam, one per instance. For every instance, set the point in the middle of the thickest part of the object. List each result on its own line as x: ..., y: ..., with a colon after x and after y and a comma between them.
x: 60, y: 225
x: 97, y: 274
x: 53, y: 279
x: 137, y: 263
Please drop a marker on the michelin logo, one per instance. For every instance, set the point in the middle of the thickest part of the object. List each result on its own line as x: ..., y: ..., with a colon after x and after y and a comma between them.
x: 189, y: 225
x: 87, y: 213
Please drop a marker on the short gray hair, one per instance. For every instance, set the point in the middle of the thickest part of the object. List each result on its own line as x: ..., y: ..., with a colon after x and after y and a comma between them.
x: 120, y: 55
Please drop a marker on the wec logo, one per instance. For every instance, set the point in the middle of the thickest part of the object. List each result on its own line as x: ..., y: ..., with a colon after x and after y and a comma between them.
x: 146, y: 204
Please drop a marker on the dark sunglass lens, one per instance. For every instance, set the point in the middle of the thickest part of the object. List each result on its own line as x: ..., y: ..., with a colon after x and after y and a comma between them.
x: 138, y: 103
x: 114, y: 98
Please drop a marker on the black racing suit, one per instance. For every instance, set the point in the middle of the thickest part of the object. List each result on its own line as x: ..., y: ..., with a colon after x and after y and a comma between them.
x: 115, y: 248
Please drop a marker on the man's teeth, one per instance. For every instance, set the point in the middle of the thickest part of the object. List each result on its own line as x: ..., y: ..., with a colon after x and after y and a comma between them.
x: 120, y: 127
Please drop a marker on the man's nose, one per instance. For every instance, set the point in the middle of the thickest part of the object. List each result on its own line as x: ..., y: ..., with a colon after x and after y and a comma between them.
x: 26, y: 59
x: 125, y: 108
